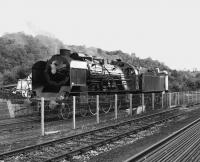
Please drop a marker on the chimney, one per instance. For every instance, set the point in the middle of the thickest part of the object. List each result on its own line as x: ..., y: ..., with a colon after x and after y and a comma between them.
x: 65, y: 52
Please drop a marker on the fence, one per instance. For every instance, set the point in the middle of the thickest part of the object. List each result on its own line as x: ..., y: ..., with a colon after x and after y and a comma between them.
x: 121, y: 105
x: 115, y: 106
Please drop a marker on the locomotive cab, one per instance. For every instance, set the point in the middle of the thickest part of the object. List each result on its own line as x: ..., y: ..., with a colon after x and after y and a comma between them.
x: 78, y: 76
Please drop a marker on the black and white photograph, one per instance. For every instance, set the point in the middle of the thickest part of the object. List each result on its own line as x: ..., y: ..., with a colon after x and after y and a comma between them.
x: 99, y: 81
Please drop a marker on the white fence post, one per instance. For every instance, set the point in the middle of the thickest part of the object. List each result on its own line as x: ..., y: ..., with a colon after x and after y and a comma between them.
x: 97, y: 106
x: 162, y: 102
x: 170, y: 97
x: 115, y: 106
x: 143, y: 102
x: 181, y: 101
x: 42, y: 116
x: 74, y: 112
x: 131, y: 104
x: 153, y: 100
x: 177, y: 98
x: 180, y: 98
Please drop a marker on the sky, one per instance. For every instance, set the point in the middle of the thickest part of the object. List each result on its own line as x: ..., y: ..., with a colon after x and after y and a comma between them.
x: 165, y: 30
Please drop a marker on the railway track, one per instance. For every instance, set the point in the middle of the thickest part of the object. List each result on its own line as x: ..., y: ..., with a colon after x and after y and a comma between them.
x: 181, y: 146
x: 74, y: 145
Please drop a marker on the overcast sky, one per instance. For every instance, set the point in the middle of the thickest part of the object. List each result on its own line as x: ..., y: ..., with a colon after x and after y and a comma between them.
x: 165, y: 30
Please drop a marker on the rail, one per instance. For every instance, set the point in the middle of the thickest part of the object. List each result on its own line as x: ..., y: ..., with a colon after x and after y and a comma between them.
x: 143, y: 156
x: 90, y: 139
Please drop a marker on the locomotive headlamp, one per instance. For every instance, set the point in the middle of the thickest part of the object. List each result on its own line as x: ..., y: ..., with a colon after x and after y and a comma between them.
x: 53, y: 67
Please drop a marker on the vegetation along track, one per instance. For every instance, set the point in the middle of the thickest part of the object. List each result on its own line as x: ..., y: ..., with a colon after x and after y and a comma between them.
x: 181, y: 146
x: 73, y: 145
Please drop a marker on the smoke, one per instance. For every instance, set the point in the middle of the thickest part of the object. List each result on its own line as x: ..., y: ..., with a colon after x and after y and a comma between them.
x: 35, y: 30
x: 45, y: 37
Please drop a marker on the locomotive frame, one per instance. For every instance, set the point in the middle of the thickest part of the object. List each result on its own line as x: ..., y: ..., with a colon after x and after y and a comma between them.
x: 74, y: 74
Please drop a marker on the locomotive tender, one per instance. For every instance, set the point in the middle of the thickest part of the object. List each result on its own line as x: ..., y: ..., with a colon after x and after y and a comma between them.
x: 71, y: 73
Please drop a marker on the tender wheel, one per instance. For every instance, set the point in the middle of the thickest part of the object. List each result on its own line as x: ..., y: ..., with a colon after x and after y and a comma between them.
x: 65, y: 111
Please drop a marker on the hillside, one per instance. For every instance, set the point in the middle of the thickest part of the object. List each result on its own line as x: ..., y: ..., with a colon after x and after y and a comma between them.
x: 19, y: 51
x: 112, y: 55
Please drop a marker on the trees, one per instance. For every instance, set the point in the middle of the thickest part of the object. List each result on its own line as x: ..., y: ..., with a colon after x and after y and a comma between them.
x: 19, y: 51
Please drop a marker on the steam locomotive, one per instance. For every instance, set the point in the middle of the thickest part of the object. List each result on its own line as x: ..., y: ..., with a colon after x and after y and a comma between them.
x: 71, y: 73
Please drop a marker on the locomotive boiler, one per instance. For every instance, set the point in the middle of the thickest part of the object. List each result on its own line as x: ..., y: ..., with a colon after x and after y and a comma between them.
x: 71, y: 73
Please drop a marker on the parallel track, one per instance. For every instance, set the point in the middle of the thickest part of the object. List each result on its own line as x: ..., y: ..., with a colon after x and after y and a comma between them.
x: 181, y: 146
x: 80, y: 143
